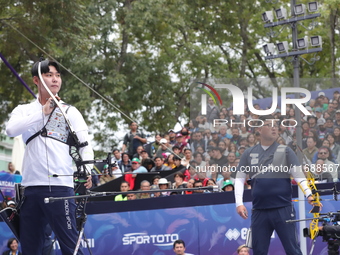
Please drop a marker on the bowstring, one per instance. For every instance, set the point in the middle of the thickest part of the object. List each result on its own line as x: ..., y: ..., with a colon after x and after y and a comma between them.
x: 69, y: 71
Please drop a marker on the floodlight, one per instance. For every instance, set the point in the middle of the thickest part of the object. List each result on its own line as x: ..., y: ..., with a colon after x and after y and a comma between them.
x: 302, y: 42
x: 313, y: 6
x: 281, y: 13
x: 299, y: 9
x: 267, y: 16
x: 282, y: 46
x: 269, y: 48
x: 316, y: 41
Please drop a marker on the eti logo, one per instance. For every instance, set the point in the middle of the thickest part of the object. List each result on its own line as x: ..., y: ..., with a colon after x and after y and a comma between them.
x: 232, y: 234
x: 238, y: 99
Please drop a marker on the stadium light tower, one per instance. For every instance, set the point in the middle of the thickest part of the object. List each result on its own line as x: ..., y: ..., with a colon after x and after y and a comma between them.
x: 299, y: 47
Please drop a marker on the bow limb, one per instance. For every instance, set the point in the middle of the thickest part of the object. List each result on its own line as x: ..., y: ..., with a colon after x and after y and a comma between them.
x: 313, y: 226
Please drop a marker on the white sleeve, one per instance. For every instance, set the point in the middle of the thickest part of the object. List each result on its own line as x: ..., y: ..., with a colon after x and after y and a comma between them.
x: 20, y: 122
x: 300, y: 179
x: 239, y: 187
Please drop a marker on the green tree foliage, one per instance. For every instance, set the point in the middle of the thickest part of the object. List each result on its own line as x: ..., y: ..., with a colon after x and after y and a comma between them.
x: 143, y: 55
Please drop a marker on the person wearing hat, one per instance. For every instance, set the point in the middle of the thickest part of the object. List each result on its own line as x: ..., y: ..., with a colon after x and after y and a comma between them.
x: 226, y: 174
x: 11, y: 203
x: 172, y: 137
x: 136, y: 168
x: 321, y: 128
x: 163, y: 183
x: 241, y: 149
x: 148, y: 164
x: 277, y: 113
x: 321, y: 94
x: 271, y: 190
x: 318, y: 112
x: 228, y: 185
x: 163, y: 148
x: 155, y: 187
x: 180, y: 143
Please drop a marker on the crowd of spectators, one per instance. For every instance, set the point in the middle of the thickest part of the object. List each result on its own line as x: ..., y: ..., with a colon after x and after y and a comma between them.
x: 206, y: 153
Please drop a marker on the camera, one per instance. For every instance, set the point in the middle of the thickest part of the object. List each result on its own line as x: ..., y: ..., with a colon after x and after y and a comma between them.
x: 330, y: 232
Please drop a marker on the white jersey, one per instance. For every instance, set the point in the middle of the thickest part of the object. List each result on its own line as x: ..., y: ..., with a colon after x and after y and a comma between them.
x: 46, y: 156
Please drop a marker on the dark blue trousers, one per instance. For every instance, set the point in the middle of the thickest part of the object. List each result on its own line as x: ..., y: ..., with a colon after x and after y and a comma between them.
x: 264, y: 222
x: 35, y: 215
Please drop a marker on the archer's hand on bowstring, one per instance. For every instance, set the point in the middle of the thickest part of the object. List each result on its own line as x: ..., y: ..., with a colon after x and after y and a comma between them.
x: 49, y: 105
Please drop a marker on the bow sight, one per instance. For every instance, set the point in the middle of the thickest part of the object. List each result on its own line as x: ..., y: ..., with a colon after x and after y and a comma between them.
x: 80, y: 176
